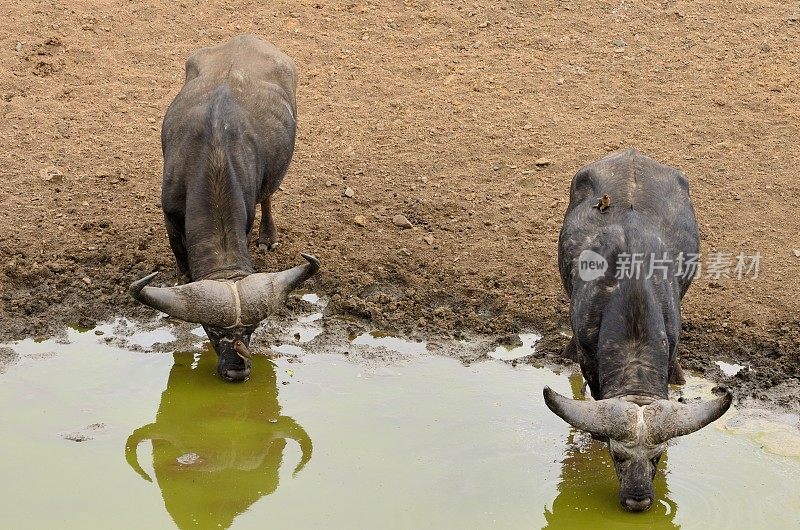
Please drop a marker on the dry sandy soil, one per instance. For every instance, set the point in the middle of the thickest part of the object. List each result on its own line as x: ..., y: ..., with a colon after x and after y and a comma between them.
x: 435, y: 110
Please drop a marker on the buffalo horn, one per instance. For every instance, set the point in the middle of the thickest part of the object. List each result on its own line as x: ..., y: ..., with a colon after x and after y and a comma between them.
x: 208, y: 302
x: 666, y: 419
x: 262, y: 293
x: 607, y: 418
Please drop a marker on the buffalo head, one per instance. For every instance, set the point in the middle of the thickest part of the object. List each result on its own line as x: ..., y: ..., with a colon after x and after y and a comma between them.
x: 228, y: 310
x: 637, y: 429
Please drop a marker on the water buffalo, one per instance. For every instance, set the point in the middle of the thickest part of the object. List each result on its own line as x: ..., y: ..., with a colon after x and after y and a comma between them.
x: 227, y: 139
x: 623, y: 210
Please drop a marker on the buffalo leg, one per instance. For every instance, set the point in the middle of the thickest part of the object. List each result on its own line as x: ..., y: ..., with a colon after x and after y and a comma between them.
x: 175, y: 233
x: 267, y: 233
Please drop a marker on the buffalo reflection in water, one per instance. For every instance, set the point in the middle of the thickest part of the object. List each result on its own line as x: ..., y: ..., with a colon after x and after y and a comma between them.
x: 217, y: 447
x: 587, y: 488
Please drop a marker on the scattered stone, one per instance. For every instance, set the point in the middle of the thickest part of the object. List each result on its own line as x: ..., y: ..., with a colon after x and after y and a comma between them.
x: 619, y: 43
x: 7, y: 357
x: 188, y: 459
x: 542, y: 162
x: 77, y: 437
x: 794, y: 18
x: 796, y: 252
x: 476, y: 44
x: 560, y: 81
x: 484, y: 24
x: 348, y: 192
x: 428, y: 239
x: 18, y: 47
x: 328, y: 183
x: 52, y: 174
x: 360, y: 220
x: 402, y: 221
x: 87, y: 280
x: 405, y: 252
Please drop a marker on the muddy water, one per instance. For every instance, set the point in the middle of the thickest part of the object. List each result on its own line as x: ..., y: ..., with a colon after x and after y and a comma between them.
x: 95, y: 436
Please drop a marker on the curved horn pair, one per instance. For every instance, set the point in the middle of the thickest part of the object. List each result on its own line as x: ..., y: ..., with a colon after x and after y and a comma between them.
x: 618, y: 419
x: 223, y: 304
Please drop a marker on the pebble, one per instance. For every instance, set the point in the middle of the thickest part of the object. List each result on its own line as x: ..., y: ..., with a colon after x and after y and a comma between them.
x: 796, y: 252
x: 188, y: 459
x: 51, y: 174
x: 87, y: 280
x: 428, y: 239
x: 543, y: 162
x: 18, y: 47
x: 328, y: 183
x: 405, y: 252
x: 77, y: 437
x: 348, y: 192
x: 402, y: 221
x: 360, y: 220
x: 619, y: 43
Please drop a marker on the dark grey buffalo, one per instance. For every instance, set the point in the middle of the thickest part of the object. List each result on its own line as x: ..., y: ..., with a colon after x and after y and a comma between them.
x: 628, y: 239
x: 227, y: 138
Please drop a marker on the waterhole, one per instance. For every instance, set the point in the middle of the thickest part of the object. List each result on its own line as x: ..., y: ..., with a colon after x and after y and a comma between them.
x: 98, y: 436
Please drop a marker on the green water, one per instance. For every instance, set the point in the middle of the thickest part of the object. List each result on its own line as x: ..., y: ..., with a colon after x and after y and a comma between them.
x: 322, y: 442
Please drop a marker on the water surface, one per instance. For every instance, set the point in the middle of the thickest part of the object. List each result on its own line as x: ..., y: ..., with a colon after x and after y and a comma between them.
x: 320, y: 441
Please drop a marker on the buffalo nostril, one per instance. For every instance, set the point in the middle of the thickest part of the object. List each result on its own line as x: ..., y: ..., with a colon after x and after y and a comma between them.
x: 637, y: 505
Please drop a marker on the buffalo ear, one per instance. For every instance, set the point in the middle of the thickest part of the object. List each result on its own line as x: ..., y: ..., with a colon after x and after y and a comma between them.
x: 571, y: 351
x: 676, y: 376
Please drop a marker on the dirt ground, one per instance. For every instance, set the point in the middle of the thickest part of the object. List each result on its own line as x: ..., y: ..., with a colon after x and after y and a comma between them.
x: 469, y: 118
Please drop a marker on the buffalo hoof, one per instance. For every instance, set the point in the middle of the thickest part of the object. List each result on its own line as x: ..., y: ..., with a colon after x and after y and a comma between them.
x: 268, y: 247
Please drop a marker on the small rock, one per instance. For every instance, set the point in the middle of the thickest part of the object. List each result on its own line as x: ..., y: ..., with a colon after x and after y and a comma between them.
x: 77, y: 437
x: 18, y: 47
x: 360, y: 220
x: 484, y: 24
x: 87, y: 280
x: 51, y: 174
x: 402, y: 221
x: 405, y: 252
x: 560, y: 81
x: 796, y: 252
x: 428, y: 239
x: 348, y: 192
x: 476, y: 44
x: 328, y: 183
x: 188, y: 459
x: 542, y: 161
x: 792, y: 18
x: 619, y: 43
